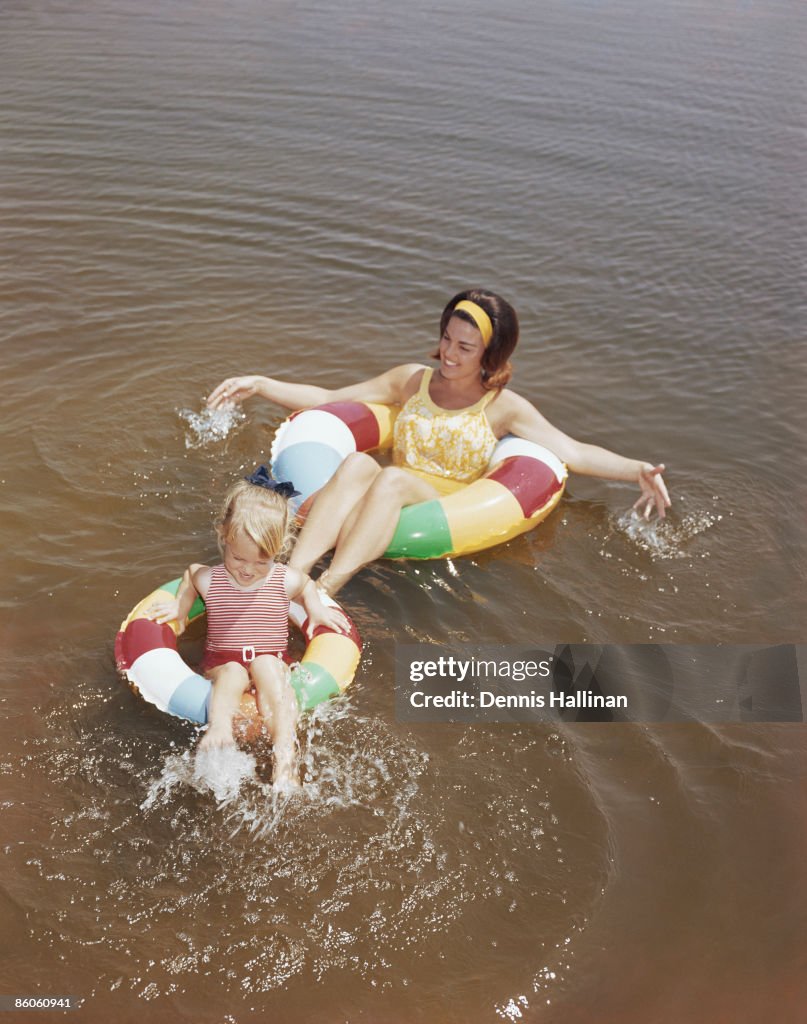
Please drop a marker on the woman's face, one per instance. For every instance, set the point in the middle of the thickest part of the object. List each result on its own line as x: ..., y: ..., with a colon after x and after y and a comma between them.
x: 461, y: 350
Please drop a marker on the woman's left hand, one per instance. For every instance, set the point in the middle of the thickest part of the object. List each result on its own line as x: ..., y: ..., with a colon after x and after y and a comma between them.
x: 654, y: 490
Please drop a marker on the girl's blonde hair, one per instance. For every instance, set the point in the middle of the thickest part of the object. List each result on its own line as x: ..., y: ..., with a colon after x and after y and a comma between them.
x: 261, y: 515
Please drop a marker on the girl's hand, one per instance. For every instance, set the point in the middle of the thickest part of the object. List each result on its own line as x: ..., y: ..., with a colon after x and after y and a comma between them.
x: 332, y: 618
x: 166, y: 611
x: 233, y: 391
x: 654, y: 490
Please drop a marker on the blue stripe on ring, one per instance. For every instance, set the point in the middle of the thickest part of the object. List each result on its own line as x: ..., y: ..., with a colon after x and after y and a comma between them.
x: 309, y: 465
x: 190, y: 699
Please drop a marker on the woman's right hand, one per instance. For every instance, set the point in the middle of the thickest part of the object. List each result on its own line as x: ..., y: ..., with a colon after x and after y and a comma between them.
x: 233, y: 391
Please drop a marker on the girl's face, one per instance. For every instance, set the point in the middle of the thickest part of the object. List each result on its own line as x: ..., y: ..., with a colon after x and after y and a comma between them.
x: 461, y: 350
x: 245, y: 561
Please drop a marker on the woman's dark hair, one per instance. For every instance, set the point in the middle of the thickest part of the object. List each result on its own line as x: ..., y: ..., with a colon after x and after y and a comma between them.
x: 496, y: 368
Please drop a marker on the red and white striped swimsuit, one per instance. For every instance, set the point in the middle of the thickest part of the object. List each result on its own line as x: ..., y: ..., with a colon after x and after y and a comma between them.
x: 246, y: 623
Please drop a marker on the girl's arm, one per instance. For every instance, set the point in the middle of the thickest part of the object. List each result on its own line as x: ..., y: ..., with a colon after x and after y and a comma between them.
x: 301, y: 587
x: 195, y: 581
x: 520, y: 417
x: 386, y: 388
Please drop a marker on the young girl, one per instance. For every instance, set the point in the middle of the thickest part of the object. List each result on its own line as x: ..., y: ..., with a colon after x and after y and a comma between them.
x: 247, y: 598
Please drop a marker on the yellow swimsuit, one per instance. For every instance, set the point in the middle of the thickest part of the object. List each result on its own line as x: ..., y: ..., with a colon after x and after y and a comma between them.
x: 451, y: 447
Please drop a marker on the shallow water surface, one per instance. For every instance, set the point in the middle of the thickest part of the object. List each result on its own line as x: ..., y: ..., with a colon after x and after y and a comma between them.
x: 193, y: 190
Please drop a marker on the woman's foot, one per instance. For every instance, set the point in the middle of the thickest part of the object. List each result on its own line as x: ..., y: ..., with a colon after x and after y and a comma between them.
x: 330, y: 583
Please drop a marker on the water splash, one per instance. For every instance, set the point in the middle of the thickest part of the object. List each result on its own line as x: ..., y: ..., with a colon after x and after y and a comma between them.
x: 336, y: 776
x: 222, y: 772
x: 210, y: 425
x: 667, y: 538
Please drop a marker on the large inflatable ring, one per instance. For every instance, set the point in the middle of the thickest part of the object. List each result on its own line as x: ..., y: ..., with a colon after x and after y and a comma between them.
x: 146, y: 654
x: 520, y: 487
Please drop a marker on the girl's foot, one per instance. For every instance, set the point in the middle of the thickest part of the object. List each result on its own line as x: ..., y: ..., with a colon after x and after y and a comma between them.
x: 219, y: 734
x: 286, y: 773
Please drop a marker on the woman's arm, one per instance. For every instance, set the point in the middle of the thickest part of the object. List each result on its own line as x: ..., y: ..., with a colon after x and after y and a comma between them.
x: 386, y: 388
x: 518, y: 416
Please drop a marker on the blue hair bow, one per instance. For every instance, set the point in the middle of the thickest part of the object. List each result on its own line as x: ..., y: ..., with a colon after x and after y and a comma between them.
x: 261, y: 477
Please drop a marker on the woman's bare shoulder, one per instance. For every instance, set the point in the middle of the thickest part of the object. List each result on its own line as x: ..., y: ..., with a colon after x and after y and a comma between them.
x: 409, y: 377
x: 406, y: 371
x: 506, y: 406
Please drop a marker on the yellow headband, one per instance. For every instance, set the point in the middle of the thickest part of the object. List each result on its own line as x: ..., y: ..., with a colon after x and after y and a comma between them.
x: 479, y: 317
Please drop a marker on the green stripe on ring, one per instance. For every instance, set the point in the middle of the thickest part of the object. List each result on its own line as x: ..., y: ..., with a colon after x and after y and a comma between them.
x: 422, y: 532
x: 313, y: 684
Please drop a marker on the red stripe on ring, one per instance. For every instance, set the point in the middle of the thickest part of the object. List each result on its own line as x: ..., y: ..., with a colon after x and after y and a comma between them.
x: 359, y: 420
x: 531, y: 482
x: 140, y: 637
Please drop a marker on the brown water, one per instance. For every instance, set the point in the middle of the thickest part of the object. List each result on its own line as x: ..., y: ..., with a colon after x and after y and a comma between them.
x: 194, y: 189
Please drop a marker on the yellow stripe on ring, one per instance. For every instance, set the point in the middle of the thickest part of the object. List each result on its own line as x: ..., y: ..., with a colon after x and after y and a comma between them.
x: 481, y: 514
x: 385, y: 417
x: 336, y: 653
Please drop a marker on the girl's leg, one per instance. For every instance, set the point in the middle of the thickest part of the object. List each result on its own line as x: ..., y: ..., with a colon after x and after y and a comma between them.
x: 334, y: 503
x: 277, y: 704
x: 366, y: 534
x: 230, y: 681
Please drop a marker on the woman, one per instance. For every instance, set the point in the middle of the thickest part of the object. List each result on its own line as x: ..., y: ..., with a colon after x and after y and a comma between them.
x: 444, y: 435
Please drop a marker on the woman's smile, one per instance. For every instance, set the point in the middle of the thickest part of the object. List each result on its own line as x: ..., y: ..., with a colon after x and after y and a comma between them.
x: 461, y: 347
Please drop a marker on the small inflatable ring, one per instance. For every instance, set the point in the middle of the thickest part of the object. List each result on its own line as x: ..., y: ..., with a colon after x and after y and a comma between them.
x: 146, y: 654
x: 522, y: 484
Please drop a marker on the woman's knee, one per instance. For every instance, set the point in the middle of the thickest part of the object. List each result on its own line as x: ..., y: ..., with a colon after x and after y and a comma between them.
x: 393, y: 484
x: 358, y: 467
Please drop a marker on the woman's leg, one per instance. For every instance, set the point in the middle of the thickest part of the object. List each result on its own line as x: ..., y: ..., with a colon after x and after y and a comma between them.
x: 277, y: 705
x: 230, y: 681
x: 334, y: 503
x: 366, y: 533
